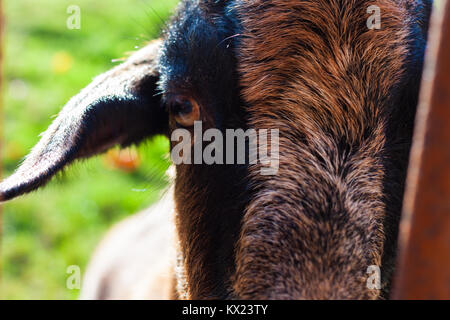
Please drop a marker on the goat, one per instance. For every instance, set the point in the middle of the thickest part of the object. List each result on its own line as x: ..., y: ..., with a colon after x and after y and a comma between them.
x: 343, y: 97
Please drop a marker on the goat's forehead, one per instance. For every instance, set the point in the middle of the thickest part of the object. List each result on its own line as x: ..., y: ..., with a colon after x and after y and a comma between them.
x: 196, y: 45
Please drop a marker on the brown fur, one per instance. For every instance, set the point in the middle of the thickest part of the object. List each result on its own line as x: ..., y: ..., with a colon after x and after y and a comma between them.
x: 328, y: 91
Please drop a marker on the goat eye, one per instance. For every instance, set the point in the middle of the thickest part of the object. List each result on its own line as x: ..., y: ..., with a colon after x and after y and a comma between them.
x: 185, y: 111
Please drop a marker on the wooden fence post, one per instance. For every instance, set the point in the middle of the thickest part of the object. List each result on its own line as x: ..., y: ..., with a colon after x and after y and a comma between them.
x: 423, y: 271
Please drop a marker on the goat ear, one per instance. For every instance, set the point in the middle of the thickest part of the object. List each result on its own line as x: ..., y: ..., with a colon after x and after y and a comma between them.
x: 118, y: 107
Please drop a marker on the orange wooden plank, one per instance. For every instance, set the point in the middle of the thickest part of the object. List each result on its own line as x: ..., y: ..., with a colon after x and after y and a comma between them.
x: 424, y: 260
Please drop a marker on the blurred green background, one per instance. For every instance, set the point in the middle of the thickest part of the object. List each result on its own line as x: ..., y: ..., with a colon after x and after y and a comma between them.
x: 45, y: 64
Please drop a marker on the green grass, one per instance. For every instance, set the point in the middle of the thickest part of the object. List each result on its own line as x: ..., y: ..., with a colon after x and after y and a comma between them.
x: 45, y: 64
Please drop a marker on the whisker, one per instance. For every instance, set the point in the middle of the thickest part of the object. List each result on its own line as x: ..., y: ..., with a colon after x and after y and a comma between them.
x: 228, y: 38
x: 155, y: 13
